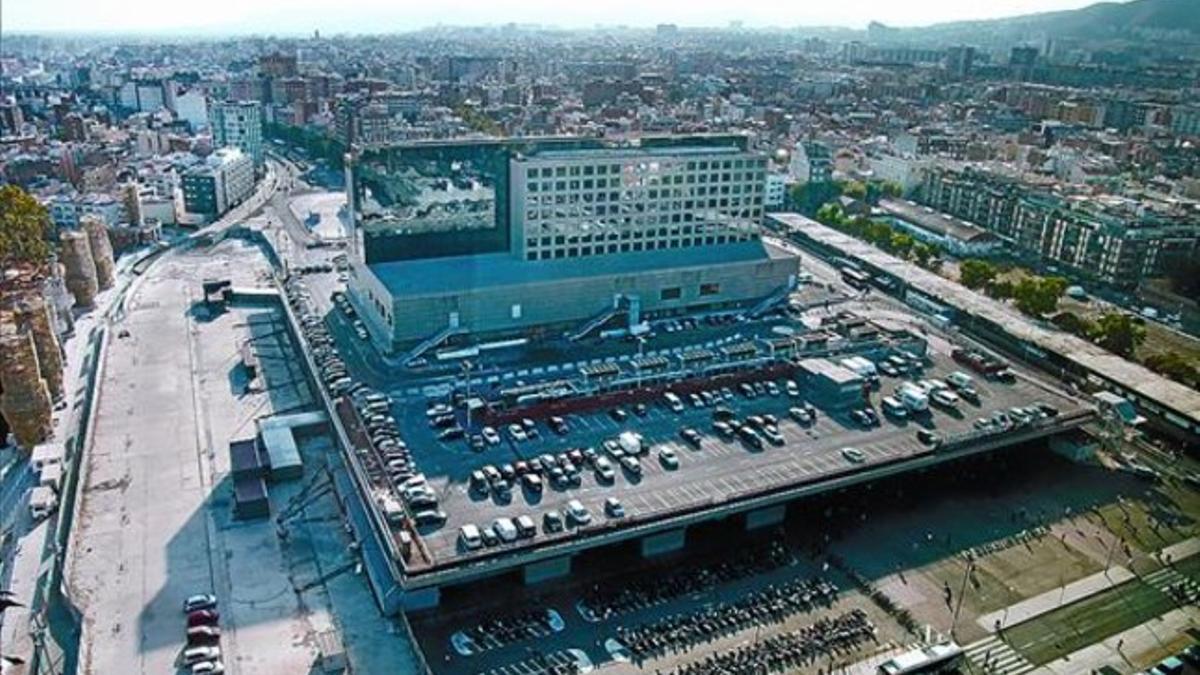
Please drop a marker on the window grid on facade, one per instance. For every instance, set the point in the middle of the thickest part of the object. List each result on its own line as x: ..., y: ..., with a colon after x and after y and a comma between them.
x: 636, y: 204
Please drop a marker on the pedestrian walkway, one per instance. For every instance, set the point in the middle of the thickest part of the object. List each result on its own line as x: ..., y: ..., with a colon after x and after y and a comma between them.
x: 1180, y: 550
x: 1170, y: 581
x: 1127, y: 649
x: 993, y: 656
x: 1055, y: 598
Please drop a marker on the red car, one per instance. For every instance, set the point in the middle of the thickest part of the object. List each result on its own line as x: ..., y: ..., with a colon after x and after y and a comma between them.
x: 203, y: 617
x: 203, y: 635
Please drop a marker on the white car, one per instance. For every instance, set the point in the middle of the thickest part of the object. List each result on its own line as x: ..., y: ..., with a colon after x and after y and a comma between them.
x: 199, y: 601
x: 208, y: 668
x: 668, y: 458
x: 793, y: 389
x: 491, y: 436
x: 518, y: 434
x: 470, y: 537
x: 194, y: 655
x: 578, y: 513
x: 944, y: 397
x: 853, y: 455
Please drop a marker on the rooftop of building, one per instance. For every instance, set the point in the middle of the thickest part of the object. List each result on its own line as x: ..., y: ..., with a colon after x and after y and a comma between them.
x: 464, y: 273
x: 632, y: 151
x: 935, y: 221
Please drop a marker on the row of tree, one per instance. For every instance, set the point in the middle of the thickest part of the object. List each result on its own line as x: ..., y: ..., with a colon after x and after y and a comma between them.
x: 317, y: 145
x: 880, y: 234
x: 1033, y: 295
x: 808, y: 198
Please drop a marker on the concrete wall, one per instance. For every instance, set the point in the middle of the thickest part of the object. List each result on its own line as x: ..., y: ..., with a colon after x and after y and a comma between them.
x: 573, y: 301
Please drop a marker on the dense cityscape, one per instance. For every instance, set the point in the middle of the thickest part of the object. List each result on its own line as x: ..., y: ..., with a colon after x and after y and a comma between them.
x: 523, y: 350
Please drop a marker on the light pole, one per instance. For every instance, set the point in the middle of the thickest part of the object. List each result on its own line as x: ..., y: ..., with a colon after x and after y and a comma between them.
x: 466, y: 367
x: 641, y: 342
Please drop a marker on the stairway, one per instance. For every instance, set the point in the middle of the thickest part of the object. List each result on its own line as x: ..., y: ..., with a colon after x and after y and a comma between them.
x: 433, y: 341
x: 594, y: 323
x: 781, y: 294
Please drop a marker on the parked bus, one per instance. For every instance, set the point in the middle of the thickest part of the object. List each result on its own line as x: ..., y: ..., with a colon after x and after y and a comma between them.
x: 855, y: 278
x: 942, y: 658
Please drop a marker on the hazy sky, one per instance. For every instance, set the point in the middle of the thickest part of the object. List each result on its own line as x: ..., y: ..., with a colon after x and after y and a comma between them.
x: 332, y: 16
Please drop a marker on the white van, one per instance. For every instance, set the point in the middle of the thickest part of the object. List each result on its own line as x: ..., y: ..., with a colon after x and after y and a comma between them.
x: 42, y: 502
x: 470, y: 537
x: 893, y: 407
x: 505, y: 529
x: 913, y: 397
x: 45, y: 454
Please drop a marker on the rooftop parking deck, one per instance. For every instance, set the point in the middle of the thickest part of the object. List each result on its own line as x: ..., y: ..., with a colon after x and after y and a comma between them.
x: 721, y: 475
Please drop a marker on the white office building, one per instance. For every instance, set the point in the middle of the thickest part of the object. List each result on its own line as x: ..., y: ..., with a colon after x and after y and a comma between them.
x: 238, y: 124
x: 580, y: 203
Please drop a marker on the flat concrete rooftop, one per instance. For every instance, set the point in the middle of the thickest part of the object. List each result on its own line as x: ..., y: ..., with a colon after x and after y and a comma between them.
x: 721, y: 477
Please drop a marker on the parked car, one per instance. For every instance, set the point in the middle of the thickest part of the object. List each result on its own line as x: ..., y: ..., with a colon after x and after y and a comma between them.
x: 604, y: 470
x: 203, y: 617
x: 199, y: 601
x: 668, y: 459
x: 853, y: 455
x: 578, y: 513
x: 193, y: 655
x: 552, y: 521
x: 470, y: 537
x: 800, y: 415
x: 525, y: 526
x: 203, y: 635
x: 613, y: 508
x: 518, y: 434
x: 928, y: 437
x: 532, y: 482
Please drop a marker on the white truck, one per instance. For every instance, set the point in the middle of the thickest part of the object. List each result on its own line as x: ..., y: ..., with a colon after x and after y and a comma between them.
x: 913, y: 397
x: 862, y: 366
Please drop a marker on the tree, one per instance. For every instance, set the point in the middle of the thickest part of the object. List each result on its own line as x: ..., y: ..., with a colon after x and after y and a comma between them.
x: 879, y: 234
x: 854, y: 189
x: 1175, y: 366
x: 935, y: 257
x: 1001, y: 290
x: 902, y: 244
x: 1118, y: 333
x: 830, y: 214
x: 857, y: 226
x: 891, y: 188
x: 24, y: 230
x: 976, y: 274
x: 808, y: 198
x: 1037, y: 296
x: 1073, y: 323
x: 921, y: 253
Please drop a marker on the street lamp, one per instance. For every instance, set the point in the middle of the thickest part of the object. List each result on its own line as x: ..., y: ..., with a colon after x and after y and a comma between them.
x: 466, y: 368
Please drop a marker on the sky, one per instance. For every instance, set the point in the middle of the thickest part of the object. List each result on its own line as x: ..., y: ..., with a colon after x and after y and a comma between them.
x: 380, y: 16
